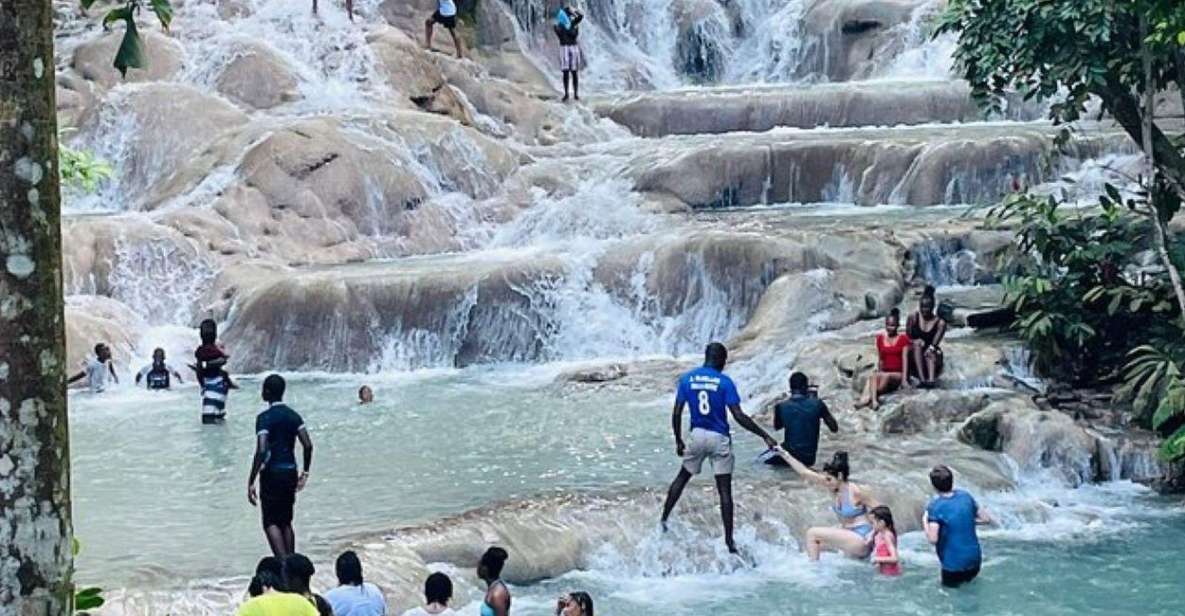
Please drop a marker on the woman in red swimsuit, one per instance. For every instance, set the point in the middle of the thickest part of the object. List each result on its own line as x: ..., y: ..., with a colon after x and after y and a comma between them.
x: 893, y: 368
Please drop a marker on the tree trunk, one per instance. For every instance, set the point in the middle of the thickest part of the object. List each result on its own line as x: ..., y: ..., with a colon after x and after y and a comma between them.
x: 36, y: 550
x: 1125, y: 108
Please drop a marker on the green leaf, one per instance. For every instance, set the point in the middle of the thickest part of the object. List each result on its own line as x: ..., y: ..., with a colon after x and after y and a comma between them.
x: 75, y: 545
x: 1181, y: 38
x: 131, y: 50
x: 123, y: 13
x: 88, y: 599
x: 1173, y: 448
x: 86, y: 4
x: 164, y: 12
x: 1171, y: 405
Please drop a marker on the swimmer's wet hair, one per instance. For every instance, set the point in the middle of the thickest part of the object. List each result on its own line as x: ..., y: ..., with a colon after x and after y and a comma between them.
x: 838, y: 466
x: 942, y: 478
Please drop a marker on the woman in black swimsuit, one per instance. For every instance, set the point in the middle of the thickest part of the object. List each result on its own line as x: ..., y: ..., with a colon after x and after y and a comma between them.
x: 926, y: 330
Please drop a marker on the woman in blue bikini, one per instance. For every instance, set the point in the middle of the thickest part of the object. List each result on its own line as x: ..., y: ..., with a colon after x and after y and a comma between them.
x: 497, y: 599
x: 851, y: 506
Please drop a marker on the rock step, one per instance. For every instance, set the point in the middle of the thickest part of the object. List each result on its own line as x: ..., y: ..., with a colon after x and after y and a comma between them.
x: 761, y: 108
x: 925, y: 165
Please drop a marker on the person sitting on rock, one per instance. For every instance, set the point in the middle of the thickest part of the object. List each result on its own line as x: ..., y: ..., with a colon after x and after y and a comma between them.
x: 926, y: 330
x: 892, y: 370
x: 800, y: 415
x: 445, y: 15
x: 567, y: 29
x: 96, y: 371
x: 158, y: 374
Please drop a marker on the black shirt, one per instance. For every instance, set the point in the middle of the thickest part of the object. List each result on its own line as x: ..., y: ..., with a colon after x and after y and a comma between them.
x: 280, y: 424
x: 569, y: 35
x: 800, y: 416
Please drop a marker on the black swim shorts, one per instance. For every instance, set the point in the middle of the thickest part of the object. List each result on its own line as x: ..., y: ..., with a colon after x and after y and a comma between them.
x: 449, y: 22
x: 277, y: 496
x: 954, y: 579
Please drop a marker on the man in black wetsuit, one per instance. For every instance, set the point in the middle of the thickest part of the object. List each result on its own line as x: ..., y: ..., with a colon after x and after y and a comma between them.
x: 158, y: 374
x: 800, y: 415
x: 277, y: 430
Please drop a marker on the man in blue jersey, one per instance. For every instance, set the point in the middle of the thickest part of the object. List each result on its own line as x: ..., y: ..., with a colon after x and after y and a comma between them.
x: 949, y: 522
x: 711, y: 395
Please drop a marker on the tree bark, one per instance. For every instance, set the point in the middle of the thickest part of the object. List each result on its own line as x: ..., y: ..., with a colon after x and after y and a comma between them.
x: 36, y: 556
x: 1125, y: 108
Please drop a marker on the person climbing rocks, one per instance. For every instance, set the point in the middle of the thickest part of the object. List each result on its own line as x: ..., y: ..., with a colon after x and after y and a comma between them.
x: 212, y: 376
x: 926, y: 330
x: 892, y: 371
x: 277, y: 429
x: 97, y: 371
x: 445, y: 15
x: 800, y: 416
x: 158, y: 374
x: 567, y: 29
x: 949, y: 522
x: 712, y: 395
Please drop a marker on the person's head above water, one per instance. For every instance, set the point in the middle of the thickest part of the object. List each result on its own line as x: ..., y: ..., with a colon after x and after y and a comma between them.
x: 836, y: 471
x: 102, y: 351
x: 273, y: 388
x: 883, y: 516
x: 298, y: 570
x: 365, y: 394
x: 348, y: 569
x: 158, y: 356
x: 577, y: 603
x: 438, y: 589
x: 942, y: 479
x: 893, y: 321
x: 926, y: 302
x: 715, y: 356
x: 490, y: 567
x: 208, y: 330
x: 799, y: 383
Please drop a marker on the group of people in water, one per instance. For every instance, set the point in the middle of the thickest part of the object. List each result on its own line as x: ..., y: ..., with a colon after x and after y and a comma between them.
x: 865, y: 528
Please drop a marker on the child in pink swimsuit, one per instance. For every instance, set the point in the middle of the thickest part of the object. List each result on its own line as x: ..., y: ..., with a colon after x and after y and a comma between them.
x: 884, y: 542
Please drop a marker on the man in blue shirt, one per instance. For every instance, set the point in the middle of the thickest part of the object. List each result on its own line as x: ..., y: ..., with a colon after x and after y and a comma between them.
x: 949, y: 522
x: 709, y: 393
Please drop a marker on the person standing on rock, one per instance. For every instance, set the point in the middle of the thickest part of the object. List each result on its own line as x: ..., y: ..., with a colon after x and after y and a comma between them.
x: 711, y: 395
x: 949, y: 522
x: 800, y: 416
x: 276, y: 431
x: 445, y: 15
x: 567, y: 28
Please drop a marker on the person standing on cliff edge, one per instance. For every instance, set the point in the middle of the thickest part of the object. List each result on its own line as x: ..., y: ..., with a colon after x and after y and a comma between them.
x: 276, y: 431
x: 710, y: 393
x: 567, y: 29
x: 445, y: 15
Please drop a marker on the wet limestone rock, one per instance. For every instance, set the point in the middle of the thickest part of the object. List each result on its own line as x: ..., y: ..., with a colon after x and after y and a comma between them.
x: 414, y: 73
x: 92, y: 59
x: 258, y: 78
x: 924, y: 411
x: 93, y: 319
x: 847, y: 38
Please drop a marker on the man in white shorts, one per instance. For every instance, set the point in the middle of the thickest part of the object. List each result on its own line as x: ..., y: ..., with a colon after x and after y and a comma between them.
x: 709, y: 393
x: 567, y: 28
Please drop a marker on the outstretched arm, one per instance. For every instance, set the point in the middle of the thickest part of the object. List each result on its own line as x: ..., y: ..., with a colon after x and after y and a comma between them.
x: 747, y: 423
x: 76, y: 377
x: 983, y: 516
x: 799, y: 467
x: 829, y: 419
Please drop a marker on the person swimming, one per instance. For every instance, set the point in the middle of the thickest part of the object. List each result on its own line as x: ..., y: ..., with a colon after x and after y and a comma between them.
x: 926, y: 330
x: 884, y: 541
x: 98, y: 370
x: 852, y: 503
x: 365, y: 395
x: 892, y: 371
x: 158, y: 374
x: 497, y: 597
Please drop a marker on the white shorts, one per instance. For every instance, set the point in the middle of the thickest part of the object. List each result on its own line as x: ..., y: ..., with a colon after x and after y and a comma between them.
x: 570, y: 58
x: 709, y: 445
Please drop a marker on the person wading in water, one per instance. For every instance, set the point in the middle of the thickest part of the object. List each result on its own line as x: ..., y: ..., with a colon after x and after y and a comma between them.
x: 277, y: 429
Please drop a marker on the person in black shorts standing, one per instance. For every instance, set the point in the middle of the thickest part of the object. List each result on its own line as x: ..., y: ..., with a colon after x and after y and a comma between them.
x: 276, y: 431
x: 445, y: 15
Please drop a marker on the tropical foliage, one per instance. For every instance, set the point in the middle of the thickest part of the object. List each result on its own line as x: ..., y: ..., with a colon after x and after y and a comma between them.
x: 131, y: 49
x: 81, y: 169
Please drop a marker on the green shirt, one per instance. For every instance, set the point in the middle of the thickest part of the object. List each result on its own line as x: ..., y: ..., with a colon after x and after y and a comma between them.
x: 277, y: 604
